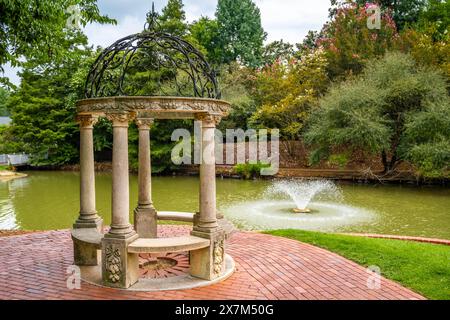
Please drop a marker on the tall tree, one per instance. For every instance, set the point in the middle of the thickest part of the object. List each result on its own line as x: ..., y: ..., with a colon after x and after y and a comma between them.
x: 36, y: 29
x: 349, y: 44
x: 241, y: 33
x: 147, y: 77
x: 206, y: 33
x: 173, y: 18
x: 287, y: 92
x: 43, y: 107
x: 404, y: 12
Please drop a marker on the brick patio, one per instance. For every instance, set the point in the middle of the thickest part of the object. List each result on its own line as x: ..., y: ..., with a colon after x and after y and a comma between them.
x: 33, y: 266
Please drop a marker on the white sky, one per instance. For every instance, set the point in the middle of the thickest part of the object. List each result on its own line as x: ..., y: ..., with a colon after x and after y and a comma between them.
x: 289, y: 20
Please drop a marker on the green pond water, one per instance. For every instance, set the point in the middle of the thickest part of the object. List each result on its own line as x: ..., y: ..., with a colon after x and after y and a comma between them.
x: 50, y: 200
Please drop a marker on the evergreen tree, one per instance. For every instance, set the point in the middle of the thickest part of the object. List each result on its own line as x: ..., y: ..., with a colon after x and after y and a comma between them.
x: 173, y: 18
x: 240, y: 30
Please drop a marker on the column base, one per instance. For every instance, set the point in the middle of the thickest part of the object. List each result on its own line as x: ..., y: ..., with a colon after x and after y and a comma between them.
x: 145, y: 221
x: 121, y: 232
x: 208, y: 263
x: 94, y: 223
x: 200, y: 226
x: 120, y: 269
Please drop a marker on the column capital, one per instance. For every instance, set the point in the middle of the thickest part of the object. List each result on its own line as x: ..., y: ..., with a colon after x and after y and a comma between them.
x: 208, y: 120
x: 144, y: 123
x: 86, y: 121
x: 119, y: 119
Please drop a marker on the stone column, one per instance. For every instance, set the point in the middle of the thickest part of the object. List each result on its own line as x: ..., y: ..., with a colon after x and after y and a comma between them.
x: 208, y: 263
x: 145, y: 215
x: 88, y: 221
x: 120, y: 269
x: 207, y: 219
x: 88, y: 217
x: 120, y: 223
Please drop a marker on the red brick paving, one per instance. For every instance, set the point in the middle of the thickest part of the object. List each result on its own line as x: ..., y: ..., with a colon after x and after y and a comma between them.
x: 33, y: 266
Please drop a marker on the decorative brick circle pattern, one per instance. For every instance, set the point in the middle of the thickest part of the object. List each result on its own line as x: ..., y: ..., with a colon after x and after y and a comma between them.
x: 34, y: 266
x: 164, y: 265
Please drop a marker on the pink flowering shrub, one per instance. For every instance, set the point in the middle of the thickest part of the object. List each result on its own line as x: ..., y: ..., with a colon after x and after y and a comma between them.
x: 348, y: 42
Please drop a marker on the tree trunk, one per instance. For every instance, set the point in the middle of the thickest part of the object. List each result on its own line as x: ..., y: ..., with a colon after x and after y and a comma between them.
x: 389, y: 164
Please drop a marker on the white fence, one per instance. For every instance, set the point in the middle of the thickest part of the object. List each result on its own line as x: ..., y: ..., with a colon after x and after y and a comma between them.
x: 14, y: 159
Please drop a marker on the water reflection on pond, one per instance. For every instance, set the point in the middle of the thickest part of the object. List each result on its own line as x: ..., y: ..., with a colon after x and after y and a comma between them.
x: 49, y: 200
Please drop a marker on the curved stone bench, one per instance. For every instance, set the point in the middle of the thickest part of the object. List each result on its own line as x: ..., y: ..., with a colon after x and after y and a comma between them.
x: 86, y: 243
x: 176, y: 244
x: 175, y: 216
x: 226, y: 225
x: 88, y: 236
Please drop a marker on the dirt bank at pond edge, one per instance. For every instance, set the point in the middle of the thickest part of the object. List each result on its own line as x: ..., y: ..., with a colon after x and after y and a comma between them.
x: 6, y: 175
x: 8, y: 233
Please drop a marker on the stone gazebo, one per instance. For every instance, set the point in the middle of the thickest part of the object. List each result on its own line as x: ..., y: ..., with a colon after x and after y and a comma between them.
x: 187, y: 89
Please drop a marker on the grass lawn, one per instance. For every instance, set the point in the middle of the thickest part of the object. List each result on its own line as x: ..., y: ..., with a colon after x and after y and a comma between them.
x: 422, y: 267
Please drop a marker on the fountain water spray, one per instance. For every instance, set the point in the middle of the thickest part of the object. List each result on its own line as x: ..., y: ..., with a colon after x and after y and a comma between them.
x: 322, y: 197
x: 302, y: 192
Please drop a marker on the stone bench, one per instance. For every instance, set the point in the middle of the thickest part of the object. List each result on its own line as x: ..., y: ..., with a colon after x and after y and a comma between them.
x: 88, y: 236
x: 176, y: 244
x: 86, y: 243
x: 226, y: 225
x: 175, y: 216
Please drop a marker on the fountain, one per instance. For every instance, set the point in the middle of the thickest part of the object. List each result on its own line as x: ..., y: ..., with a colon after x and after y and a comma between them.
x: 303, y: 192
x: 283, y: 200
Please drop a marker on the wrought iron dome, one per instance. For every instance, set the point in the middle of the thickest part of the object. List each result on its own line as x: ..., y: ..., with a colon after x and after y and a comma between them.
x: 151, y: 63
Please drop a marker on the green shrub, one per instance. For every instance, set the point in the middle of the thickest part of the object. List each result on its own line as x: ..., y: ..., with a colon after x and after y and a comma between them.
x: 249, y: 170
x: 339, y: 160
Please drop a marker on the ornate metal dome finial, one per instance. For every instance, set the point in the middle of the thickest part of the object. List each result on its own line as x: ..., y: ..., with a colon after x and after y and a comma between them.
x: 152, y: 19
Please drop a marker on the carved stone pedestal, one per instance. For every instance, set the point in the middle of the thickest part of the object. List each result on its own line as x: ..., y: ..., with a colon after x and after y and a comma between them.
x: 145, y: 222
x: 209, y: 263
x: 120, y: 269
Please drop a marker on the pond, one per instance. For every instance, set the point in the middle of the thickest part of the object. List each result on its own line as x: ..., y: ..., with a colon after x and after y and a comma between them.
x: 50, y: 200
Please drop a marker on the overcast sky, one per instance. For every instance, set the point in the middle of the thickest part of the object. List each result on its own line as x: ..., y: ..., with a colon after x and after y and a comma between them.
x: 289, y: 20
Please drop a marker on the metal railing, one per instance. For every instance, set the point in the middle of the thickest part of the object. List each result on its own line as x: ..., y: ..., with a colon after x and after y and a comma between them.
x: 14, y: 159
